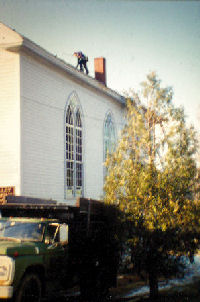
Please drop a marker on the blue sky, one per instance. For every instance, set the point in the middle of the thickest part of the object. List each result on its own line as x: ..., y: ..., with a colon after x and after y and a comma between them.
x: 135, y: 37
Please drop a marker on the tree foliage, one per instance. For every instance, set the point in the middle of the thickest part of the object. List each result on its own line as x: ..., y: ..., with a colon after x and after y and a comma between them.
x: 151, y: 178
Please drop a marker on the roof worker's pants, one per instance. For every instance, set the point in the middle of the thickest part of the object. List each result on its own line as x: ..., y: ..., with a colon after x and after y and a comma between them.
x: 83, y: 63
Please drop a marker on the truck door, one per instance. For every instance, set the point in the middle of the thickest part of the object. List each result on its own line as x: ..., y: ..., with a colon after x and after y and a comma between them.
x: 56, y: 240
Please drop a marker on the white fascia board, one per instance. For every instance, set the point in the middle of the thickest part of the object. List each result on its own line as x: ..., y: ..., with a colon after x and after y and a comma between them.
x: 73, y: 72
x: 19, y: 42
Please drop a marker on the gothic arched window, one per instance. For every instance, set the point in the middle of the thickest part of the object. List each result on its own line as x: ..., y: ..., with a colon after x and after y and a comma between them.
x: 74, y: 158
x: 109, y: 135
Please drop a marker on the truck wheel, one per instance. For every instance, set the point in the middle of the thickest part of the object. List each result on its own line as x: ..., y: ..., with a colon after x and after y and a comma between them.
x: 30, y: 289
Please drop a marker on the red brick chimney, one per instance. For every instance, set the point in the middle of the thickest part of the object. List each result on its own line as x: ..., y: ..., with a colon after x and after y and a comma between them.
x: 100, y: 69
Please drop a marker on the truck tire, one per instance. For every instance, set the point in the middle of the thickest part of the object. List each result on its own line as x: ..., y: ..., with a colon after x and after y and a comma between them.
x: 30, y: 289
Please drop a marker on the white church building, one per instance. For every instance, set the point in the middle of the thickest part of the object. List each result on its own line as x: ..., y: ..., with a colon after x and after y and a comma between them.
x: 56, y: 123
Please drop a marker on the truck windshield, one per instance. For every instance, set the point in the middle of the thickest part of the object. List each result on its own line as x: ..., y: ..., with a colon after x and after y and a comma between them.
x: 24, y: 231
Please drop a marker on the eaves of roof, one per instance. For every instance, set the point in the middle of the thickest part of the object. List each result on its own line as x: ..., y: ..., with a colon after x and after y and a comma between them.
x: 32, y: 47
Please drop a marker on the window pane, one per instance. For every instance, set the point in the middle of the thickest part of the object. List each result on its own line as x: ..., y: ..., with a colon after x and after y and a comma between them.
x: 69, y: 116
x: 70, y: 150
x: 79, y: 175
x: 69, y: 142
x: 78, y: 153
x: 70, y: 174
x: 78, y: 145
x: 78, y: 119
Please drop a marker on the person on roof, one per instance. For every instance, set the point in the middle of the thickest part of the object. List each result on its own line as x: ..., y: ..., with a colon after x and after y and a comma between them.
x: 82, y: 61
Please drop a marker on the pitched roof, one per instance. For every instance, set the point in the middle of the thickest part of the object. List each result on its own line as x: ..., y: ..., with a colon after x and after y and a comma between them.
x: 13, y: 41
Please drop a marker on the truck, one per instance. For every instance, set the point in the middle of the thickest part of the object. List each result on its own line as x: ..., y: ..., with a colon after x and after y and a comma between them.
x: 47, y: 249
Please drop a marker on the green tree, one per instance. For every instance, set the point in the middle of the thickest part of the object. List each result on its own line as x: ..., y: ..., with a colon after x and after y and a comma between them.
x: 151, y: 178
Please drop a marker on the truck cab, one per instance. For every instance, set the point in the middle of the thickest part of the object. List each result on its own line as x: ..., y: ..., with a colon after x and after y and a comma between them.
x: 32, y: 252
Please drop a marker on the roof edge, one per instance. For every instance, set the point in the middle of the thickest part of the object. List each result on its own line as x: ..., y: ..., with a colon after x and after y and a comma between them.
x: 21, y: 42
x: 72, y: 71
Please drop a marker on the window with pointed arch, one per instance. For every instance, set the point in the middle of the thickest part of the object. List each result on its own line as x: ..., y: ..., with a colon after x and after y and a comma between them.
x: 109, y: 135
x: 74, y: 158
